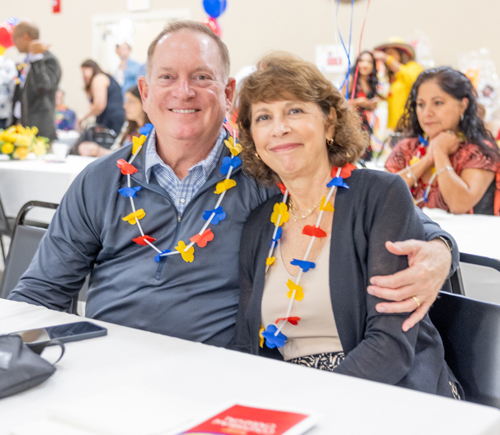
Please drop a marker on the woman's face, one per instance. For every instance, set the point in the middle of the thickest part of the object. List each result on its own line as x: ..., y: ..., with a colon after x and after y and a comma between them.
x: 365, y: 64
x: 87, y: 74
x: 133, y: 108
x: 290, y: 137
x: 438, y: 111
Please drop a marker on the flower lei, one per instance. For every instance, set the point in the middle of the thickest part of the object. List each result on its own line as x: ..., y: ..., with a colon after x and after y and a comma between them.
x: 272, y: 334
x: 421, y: 151
x: 213, y: 216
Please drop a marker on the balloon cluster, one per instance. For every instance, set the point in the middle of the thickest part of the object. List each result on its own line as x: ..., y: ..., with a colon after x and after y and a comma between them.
x: 6, y: 30
x: 214, y: 8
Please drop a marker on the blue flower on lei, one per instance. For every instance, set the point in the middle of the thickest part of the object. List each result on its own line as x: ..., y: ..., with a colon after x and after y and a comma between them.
x: 337, y: 181
x: 220, y: 215
x: 273, y: 340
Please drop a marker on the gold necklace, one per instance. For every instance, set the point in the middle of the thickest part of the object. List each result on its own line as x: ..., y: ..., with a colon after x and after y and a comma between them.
x: 302, y: 214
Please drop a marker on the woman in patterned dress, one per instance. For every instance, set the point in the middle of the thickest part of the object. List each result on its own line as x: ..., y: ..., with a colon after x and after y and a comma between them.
x: 449, y: 159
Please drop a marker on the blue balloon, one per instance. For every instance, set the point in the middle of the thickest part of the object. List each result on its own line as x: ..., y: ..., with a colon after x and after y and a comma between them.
x: 12, y: 21
x: 214, y: 8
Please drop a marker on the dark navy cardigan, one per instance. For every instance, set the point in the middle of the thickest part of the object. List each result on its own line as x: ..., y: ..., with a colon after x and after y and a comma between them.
x: 377, y: 207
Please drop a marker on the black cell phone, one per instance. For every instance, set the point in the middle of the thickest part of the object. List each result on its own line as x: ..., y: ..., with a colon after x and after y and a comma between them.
x: 65, y: 333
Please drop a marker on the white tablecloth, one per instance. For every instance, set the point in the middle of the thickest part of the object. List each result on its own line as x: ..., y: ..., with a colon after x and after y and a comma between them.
x: 475, y: 234
x: 23, y: 181
x: 128, y: 357
x: 478, y: 235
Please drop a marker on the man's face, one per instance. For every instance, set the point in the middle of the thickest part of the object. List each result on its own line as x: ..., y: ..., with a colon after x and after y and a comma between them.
x: 123, y: 51
x: 186, y: 96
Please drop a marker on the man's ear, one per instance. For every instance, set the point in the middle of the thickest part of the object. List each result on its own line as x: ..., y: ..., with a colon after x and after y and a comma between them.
x: 143, y: 89
x: 229, y: 91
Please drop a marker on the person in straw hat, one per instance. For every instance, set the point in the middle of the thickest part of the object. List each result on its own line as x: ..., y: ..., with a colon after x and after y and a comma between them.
x: 399, y: 58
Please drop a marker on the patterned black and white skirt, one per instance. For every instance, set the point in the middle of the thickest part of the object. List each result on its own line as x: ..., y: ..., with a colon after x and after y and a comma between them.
x: 330, y: 360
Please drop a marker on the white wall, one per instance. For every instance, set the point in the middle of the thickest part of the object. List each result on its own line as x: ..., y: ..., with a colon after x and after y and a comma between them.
x: 252, y: 28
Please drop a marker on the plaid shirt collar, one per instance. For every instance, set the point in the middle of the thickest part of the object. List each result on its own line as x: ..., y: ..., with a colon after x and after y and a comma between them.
x: 207, y: 165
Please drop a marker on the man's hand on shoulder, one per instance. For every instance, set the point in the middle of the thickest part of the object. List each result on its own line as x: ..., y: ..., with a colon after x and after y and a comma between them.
x: 416, y: 288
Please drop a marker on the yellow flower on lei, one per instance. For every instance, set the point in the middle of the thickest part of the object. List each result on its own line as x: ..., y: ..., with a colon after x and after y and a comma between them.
x: 131, y: 218
x: 137, y: 143
x: 187, y: 256
x: 299, y: 292
x: 280, y: 209
x: 235, y: 148
x: 270, y: 261
x: 224, y: 185
x: 414, y: 160
x: 326, y: 207
x: 261, y: 337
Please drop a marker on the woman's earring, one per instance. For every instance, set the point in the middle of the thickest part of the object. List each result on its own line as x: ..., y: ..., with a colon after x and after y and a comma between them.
x: 257, y: 155
x: 329, y: 142
x: 462, y: 118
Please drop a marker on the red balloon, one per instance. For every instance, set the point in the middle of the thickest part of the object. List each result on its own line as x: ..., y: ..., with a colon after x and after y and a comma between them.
x: 6, y: 36
x: 214, y: 25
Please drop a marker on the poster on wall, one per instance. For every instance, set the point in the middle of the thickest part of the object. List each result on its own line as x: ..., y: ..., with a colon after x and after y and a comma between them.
x: 138, y: 5
x: 332, y: 59
x: 56, y: 6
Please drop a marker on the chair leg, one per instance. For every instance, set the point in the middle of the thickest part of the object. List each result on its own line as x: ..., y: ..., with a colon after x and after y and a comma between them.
x: 3, y: 251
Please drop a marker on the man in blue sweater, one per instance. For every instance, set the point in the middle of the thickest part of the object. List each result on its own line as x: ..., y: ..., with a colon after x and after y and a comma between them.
x: 160, y: 233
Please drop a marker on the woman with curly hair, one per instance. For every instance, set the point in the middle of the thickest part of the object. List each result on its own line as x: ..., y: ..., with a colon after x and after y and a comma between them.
x: 450, y: 160
x: 307, y: 255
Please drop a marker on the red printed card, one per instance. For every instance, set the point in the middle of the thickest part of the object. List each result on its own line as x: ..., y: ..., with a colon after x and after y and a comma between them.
x: 244, y: 420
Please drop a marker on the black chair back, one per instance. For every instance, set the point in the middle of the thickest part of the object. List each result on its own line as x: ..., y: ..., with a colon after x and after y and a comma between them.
x: 22, y: 250
x: 5, y: 223
x: 470, y: 331
x: 25, y: 240
x: 6, y: 226
x: 480, y: 261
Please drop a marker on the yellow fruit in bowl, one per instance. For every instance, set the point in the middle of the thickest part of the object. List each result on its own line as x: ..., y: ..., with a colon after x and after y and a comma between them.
x: 7, y: 148
x: 21, y: 153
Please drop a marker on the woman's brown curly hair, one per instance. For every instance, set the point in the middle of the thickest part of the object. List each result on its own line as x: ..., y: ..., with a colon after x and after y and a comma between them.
x: 281, y: 76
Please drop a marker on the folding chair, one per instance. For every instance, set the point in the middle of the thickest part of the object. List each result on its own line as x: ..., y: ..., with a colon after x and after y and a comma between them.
x: 6, y: 226
x: 480, y: 277
x: 25, y: 239
x: 470, y: 331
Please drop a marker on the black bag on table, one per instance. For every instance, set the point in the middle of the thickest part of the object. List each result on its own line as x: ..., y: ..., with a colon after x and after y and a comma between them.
x: 97, y: 133
x: 21, y: 366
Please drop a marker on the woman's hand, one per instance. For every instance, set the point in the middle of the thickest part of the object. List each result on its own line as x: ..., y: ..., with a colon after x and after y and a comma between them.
x: 365, y: 103
x: 445, y: 142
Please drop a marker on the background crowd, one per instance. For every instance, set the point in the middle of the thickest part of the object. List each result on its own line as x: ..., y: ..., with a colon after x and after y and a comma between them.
x: 466, y: 167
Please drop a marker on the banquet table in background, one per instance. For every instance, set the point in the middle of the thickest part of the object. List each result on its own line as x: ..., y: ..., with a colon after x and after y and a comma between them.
x: 27, y: 180
x: 129, y: 362
x: 479, y: 235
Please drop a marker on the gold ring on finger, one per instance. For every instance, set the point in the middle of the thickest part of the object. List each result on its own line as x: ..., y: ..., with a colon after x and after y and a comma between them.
x: 416, y: 301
